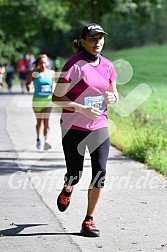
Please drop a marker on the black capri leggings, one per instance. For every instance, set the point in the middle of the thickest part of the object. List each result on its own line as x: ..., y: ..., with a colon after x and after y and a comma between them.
x: 74, y: 144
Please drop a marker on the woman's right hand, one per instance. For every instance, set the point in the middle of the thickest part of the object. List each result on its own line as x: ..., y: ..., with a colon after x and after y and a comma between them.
x: 28, y: 88
x: 90, y: 112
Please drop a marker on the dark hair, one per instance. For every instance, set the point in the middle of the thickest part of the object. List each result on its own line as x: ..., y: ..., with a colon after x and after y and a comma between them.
x: 77, y: 45
x: 38, y: 60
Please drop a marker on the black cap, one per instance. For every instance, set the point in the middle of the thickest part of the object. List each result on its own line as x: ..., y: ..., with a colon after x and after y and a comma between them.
x: 91, y: 29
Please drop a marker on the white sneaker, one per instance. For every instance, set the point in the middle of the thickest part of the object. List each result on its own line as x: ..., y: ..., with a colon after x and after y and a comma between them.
x: 39, y: 145
x: 47, y: 146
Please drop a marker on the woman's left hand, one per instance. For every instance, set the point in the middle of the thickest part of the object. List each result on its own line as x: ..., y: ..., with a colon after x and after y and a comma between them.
x: 110, y: 97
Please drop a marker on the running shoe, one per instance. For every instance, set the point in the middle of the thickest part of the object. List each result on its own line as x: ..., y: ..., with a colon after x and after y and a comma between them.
x: 89, y: 229
x: 63, y: 200
x: 39, y: 145
x: 47, y: 146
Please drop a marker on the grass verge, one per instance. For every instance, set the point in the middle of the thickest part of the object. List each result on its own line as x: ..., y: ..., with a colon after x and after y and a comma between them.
x: 142, y: 134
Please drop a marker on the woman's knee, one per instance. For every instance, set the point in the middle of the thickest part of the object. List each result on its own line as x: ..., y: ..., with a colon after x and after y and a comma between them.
x: 72, y: 179
x: 46, y: 123
x: 39, y: 122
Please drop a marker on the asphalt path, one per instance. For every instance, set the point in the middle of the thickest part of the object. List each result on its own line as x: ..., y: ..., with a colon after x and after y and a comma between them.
x: 131, y: 214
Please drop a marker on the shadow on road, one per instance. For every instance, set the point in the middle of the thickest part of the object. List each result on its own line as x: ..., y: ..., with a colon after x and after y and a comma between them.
x: 15, y: 231
x: 36, y: 161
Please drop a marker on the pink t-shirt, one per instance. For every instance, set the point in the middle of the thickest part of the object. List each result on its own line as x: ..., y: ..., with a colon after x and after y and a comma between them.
x: 88, y: 84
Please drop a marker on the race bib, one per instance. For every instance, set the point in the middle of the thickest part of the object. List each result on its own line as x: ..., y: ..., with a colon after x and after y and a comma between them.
x: 95, y: 101
x: 22, y: 68
x: 44, y: 89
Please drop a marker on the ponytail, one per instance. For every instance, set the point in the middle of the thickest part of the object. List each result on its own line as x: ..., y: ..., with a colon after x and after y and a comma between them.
x: 77, y: 45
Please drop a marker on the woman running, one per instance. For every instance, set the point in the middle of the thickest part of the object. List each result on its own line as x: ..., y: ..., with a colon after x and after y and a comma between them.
x: 85, y: 89
x: 43, y: 79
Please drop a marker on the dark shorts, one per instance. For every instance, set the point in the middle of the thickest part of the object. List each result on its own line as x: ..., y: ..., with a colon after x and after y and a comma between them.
x: 9, y: 78
x: 23, y: 76
x: 74, y: 145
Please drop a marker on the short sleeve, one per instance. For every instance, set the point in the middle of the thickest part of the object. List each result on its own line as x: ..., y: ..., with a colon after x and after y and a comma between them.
x: 69, y: 74
x: 72, y: 73
x: 113, y: 73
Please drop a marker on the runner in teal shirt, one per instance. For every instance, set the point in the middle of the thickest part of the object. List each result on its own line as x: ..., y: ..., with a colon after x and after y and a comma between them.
x: 43, y: 79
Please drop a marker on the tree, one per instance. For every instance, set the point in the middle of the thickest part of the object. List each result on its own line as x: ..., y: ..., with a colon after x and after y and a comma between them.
x: 26, y: 25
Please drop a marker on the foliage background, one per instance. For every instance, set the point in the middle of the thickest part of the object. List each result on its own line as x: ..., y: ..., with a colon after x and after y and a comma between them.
x: 28, y: 26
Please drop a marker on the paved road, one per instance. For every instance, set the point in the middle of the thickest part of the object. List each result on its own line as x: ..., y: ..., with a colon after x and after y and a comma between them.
x: 132, y: 213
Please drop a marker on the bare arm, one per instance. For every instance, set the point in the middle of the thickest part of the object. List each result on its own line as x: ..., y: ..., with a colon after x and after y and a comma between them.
x: 53, y: 81
x: 59, y: 97
x: 28, y: 81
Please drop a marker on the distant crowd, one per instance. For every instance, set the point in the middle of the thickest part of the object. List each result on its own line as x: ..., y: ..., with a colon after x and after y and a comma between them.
x: 22, y: 68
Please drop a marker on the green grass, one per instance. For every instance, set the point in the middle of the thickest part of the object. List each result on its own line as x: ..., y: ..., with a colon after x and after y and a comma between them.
x: 143, y: 134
